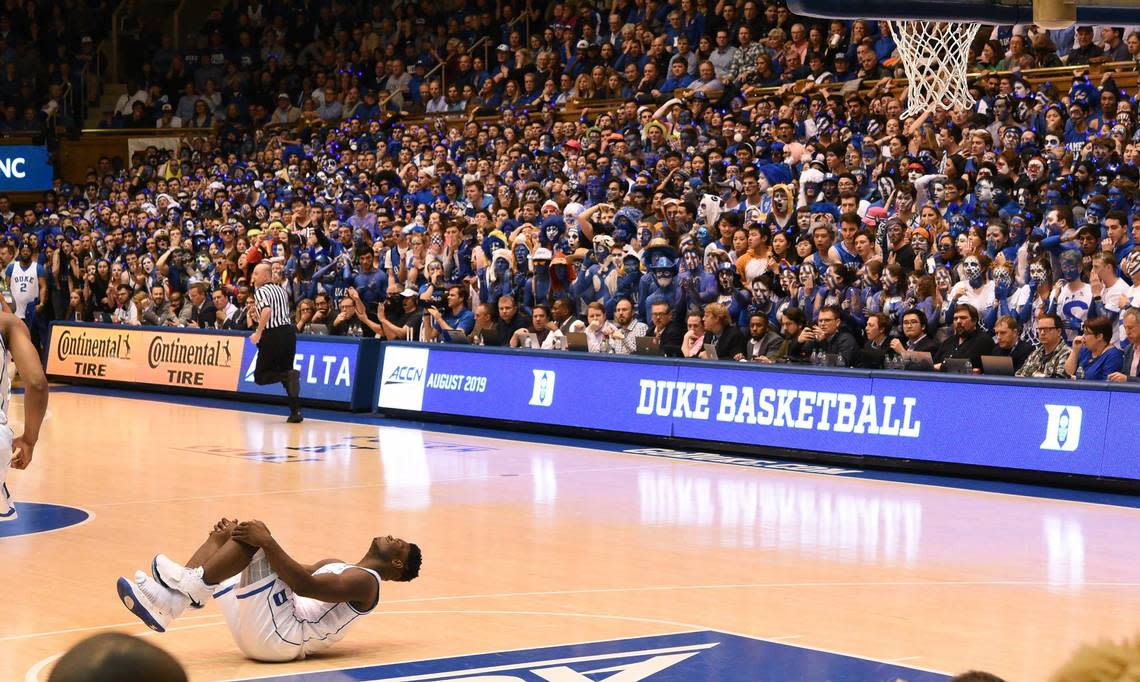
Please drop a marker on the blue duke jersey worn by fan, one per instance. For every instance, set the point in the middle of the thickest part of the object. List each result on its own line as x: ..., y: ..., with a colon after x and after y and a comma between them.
x: 24, y: 286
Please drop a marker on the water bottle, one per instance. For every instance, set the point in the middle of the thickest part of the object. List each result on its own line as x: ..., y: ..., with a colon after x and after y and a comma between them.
x: 839, y: 362
x: 969, y: 367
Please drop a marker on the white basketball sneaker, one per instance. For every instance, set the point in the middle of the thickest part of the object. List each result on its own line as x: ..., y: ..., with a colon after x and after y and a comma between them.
x: 187, y: 581
x: 6, y: 503
x: 155, y: 605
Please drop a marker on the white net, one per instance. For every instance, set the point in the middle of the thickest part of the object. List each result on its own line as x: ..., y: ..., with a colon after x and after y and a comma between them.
x: 934, y: 55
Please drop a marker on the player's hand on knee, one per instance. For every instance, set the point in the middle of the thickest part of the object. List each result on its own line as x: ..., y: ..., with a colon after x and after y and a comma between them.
x: 253, y: 533
x: 225, y: 526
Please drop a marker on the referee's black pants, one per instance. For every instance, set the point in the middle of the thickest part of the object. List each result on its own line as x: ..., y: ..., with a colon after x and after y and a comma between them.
x: 275, y: 356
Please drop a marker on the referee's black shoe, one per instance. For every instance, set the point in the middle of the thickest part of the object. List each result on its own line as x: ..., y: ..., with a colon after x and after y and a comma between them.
x: 293, y: 389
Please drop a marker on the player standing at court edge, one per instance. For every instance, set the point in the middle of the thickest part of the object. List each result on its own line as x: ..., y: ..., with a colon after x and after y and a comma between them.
x: 16, y: 451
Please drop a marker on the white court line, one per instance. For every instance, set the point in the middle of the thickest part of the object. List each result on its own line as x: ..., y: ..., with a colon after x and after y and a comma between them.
x: 33, y: 635
x: 33, y: 674
x: 656, y: 588
x: 904, y: 658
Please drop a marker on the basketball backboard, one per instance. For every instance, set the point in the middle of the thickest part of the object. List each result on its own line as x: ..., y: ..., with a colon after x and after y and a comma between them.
x: 1000, y: 12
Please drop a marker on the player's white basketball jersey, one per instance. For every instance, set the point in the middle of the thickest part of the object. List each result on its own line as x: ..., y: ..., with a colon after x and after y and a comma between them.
x: 325, y: 624
x: 270, y: 623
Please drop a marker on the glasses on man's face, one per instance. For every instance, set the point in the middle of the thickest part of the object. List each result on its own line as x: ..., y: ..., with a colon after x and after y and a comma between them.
x: 827, y: 320
x: 1046, y: 329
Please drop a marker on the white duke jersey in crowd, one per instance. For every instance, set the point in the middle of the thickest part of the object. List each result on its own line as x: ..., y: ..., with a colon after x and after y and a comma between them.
x: 1073, y: 307
x: 270, y: 623
x: 24, y: 285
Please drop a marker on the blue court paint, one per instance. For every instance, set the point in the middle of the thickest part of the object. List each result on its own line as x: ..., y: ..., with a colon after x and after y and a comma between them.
x: 41, y: 518
x: 980, y: 485
x: 680, y: 657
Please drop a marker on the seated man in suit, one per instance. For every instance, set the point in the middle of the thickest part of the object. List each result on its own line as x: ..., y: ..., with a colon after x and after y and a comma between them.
x: 202, y: 310
x: 1130, y: 370
x: 763, y: 344
x: 667, y: 328
x: 914, y: 334
x: 722, y: 333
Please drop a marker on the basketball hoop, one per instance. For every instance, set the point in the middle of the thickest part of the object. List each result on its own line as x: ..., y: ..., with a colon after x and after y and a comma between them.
x: 934, y: 55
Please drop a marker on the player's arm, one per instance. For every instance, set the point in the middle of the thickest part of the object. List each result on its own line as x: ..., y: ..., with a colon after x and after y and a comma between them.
x: 351, y: 586
x: 313, y: 568
x: 35, y: 387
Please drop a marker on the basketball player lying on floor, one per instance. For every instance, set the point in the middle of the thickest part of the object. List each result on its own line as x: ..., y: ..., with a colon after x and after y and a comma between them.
x: 276, y: 608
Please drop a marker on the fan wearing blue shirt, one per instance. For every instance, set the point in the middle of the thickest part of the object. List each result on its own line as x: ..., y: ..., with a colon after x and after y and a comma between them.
x: 454, y: 317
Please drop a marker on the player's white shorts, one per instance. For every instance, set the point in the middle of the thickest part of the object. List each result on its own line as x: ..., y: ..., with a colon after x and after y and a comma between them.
x: 7, y: 506
x: 259, y: 610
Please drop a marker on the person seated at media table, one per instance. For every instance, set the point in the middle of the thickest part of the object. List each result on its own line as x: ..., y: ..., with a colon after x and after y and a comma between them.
x: 874, y: 352
x: 968, y: 342
x: 721, y: 333
x: 1048, y: 360
x: 763, y: 343
x: 667, y: 328
x: 914, y: 338
x: 828, y: 336
x: 1130, y: 370
x: 545, y: 335
x: 1007, y: 336
x: 1094, y: 357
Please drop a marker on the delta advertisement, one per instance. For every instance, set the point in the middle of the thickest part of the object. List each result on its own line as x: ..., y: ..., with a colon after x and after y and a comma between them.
x: 1069, y: 428
x: 208, y: 361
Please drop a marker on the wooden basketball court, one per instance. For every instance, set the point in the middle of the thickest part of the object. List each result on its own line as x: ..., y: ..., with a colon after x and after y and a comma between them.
x: 534, y: 544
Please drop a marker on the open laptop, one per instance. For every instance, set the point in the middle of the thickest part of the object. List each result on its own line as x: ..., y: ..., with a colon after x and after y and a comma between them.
x: 710, y: 352
x: 957, y: 366
x: 648, y: 345
x: 1001, y: 365
x: 918, y: 361
x: 491, y: 337
x: 576, y: 341
x: 455, y: 336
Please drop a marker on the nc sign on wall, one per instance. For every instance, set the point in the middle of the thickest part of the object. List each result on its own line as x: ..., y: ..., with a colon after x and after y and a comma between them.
x: 24, y: 168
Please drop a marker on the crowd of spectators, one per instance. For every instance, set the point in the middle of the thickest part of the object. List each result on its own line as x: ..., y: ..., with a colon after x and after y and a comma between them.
x: 689, y: 201
x: 47, y: 57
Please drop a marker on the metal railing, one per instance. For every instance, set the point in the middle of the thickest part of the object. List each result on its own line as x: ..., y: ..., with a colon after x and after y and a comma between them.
x: 485, y: 40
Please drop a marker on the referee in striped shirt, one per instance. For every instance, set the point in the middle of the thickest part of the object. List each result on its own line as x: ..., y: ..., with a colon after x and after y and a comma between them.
x: 276, y: 339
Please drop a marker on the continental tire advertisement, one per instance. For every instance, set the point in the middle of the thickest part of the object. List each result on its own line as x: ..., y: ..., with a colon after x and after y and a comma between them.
x: 335, y: 371
x: 160, y: 357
